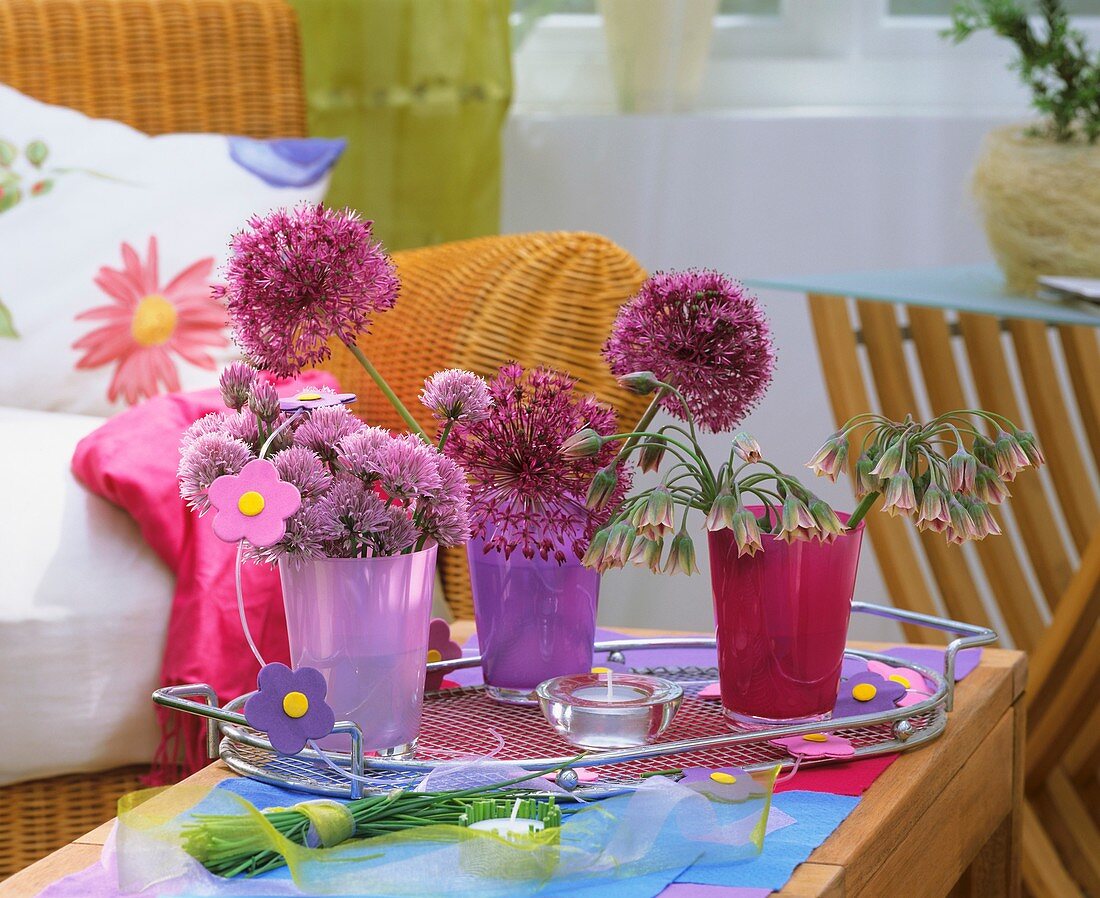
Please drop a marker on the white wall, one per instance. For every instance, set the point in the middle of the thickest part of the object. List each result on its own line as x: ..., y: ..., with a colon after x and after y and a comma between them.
x: 754, y: 194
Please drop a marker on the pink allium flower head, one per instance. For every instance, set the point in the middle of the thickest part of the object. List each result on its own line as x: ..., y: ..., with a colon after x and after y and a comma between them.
x: 407, y: 468
x: 236, y: 384
x: 207, y: 458
x: 253, y: 505
x: 301, y: 467
x: 210, y: 423
x: 704, y: 334
x: 324, y: 430
x: 300, y: 276
x: 398, y: 535
x: 359, y: 453
x: 456, y: 395
x: 264, y: 401
x: 302, y: 541
x: 526, y: 493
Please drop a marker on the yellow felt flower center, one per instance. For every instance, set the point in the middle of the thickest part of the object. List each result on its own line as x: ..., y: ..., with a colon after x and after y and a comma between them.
x: 864, y: 692
x: 250, y: 504
x: 308, y: 396
x: 898, y: 678
x: 154, y: 321
x: 601, y: 670
x: 726, y: 779
x: 434, y: 655
x: 295, y: 704
x: 815, y: 737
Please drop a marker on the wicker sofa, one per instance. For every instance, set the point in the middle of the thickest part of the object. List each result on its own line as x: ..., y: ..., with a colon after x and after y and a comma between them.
x: 233, y: 66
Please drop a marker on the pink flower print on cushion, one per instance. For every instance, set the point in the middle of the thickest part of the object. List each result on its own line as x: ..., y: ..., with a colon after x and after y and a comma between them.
x: 253, y: 505
x: 145, y: 325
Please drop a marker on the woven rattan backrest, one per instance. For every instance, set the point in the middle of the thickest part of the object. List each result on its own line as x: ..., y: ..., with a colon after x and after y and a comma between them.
x: 899, y: 360
x: 217, y: 66
x: 541, y: 299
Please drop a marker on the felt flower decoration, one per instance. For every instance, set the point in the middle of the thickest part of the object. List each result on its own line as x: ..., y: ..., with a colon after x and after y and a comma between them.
x: 722, y: 783
x: 815, y: 745
x: 253, y: 505
x: 440, y: 648
x: 866, y: 693
x: 290, y: 707
x: 711, y: 691
x: 310, y: 398
x: 851, y: 666
x: 916, y: 686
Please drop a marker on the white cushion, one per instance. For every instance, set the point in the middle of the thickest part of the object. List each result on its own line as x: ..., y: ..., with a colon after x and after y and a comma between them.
x: 84, y: 608
x: 114, y: 192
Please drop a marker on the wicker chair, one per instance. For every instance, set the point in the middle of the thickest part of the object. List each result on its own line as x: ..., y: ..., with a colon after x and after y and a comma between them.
x: 540, y: 299
x: 222, y: 66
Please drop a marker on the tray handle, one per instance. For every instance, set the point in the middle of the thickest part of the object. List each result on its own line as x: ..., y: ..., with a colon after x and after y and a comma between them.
x: 968, y: 635
x: 181, y: 698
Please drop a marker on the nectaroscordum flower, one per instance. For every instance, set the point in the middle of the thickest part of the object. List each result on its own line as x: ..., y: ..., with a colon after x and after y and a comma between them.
x: 704, y: 334
x: 300, y: 277
x: 525, y: 492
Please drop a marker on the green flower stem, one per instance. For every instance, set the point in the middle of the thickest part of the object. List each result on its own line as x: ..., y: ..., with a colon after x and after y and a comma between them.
x: 446, y: 432
x: 388, y: 392
x: 643, y: 423
x: 865, y: 505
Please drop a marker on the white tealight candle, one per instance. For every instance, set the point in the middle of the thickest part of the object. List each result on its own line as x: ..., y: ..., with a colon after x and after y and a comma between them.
x: 509, y: 826
x: 610, y: 694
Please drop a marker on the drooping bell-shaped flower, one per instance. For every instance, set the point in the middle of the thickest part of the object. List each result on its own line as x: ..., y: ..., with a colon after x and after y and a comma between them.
x: 830, y: 459
x: 900, y: 497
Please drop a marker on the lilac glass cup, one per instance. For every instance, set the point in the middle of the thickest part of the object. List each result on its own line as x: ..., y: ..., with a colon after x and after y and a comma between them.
x: 535, y: 620
x: 782, y: 618
x: 363, y: 623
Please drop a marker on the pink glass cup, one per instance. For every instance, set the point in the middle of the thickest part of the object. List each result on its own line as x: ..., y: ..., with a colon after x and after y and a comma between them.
x: 782, y: 619
x: 535, y: 620
x: 363, y: 623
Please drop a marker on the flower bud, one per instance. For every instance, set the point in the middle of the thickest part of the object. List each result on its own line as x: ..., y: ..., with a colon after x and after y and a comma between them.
x: 264, y: 401
x: 640, y: 382
x: 603, y: 486
x: 594, y: 557
x: 866, y: 482
x: 236, y: 384
x: 620, y: 543
x: 747, y: 448
x: 1026, y: 441
x: 681, y: 555
x: 829, y: 460
x: 582, y: 444
x: 651, y: 455
x: 961, y: 470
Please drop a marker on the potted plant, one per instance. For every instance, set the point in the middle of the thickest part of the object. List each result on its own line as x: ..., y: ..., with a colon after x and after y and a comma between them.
x: 534, y: 601
x: 1039, y: 186
x: 783, y: 562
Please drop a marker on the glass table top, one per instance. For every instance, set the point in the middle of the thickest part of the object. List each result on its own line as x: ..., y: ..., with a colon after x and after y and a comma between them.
x: 965, y: 288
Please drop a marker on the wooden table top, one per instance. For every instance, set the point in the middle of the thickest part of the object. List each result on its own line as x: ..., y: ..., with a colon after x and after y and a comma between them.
x: 959, y: 786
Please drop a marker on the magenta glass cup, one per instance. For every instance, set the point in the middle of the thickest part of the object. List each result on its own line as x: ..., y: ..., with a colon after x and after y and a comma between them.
x: 535, y: 620
x: 782, y: 619
x: 363, y: 623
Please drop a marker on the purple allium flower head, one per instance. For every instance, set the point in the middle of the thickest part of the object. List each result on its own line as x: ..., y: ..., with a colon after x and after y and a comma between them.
x: 526, y: 493
x: 704, y: 334
x: 264, y: 401
x: 236, y: 384
x: 206, y: 459
x: 349, y: 516
x: 210, y: 423
x: 303, y: 540
x: 243, y: 426
x: 325, y: 429
x: 298, y: 277
x: 398, y: 535
x: 446, y: 519
x: 456, y: 395
x: 407, y: 468
x: 359, y: 453
x: 300, y: 466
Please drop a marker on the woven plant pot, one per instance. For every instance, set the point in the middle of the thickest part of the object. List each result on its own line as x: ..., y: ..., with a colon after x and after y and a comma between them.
x: 1041, y: 202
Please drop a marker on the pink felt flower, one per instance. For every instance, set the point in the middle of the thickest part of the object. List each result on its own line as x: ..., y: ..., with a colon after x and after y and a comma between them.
x: 147, y: 324
x: 253, y: 505
x: 310, y: 398
x: 440, y: 648
x: 816, y: 745
x: 916, y: 686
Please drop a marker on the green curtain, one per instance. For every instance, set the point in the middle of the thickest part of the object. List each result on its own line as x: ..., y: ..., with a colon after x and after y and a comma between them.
x: 420, y: 89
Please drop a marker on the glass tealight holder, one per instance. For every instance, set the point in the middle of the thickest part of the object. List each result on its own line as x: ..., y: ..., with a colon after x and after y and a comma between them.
x: 602, y: 710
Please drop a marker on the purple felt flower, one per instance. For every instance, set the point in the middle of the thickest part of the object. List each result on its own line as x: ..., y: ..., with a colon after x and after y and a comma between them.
x: 440, y: 648
x: 816, y: 745
x: 722, y: 783
x: 866, y: 693
x: 253, y: 505
x: 310, y: 398
x: 917, y: 688
x: 851, y: 666
x: 290, y: 707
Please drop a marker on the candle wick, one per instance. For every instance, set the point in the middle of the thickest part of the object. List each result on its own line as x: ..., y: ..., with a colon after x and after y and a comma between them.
x: 610, y: 692
x: 515, y: 809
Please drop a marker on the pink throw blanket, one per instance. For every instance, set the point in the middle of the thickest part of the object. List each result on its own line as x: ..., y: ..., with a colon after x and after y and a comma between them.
x: 131, y: 461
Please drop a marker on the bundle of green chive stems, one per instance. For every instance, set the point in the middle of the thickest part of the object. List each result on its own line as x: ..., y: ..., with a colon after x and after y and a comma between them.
x: 231, y: 845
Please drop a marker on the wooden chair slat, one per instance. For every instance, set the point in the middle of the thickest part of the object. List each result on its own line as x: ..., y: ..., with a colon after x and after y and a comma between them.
x: 1054, y: 428
x: 840, y: 365
x: 882, y: 339
x: 1044, y: 874
x: 932, y: 339
x: 1071, y: 828
x: 1082, y: 757
x: 1030, y: 505
x: 1081, y: 348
